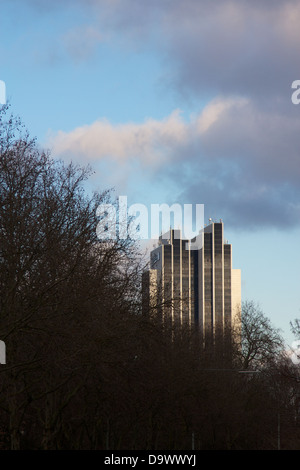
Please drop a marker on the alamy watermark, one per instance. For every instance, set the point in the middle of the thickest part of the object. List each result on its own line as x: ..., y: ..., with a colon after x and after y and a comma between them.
x: 296, y: 94
x: 2, y: 353
x: 2, y: 92
x: 138, y: 223
x: 295, y: 357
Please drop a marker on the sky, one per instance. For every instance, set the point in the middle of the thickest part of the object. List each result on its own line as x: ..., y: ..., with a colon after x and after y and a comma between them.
x: 175, y: 101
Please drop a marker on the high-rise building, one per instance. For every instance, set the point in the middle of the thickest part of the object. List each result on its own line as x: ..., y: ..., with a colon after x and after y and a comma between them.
x: 194, y: 282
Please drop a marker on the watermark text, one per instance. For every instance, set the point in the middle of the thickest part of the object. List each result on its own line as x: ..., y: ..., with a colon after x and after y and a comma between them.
x: 2, y: 92
x: 2, y: 353
x: 296, y: 94
x: 139, y: 223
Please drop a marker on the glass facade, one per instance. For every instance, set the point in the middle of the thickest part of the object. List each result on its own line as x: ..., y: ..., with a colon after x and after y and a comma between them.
x: 167, y: 281
x: 218, y: 274
x: 194, y: 287
x: 208, y: 281
x: 177, y: 267
x: 227, y: 285
x: 199, y: 282
x: 185, y: 283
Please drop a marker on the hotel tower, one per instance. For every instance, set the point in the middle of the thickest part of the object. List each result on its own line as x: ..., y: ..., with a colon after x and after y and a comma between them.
x: 194, y: 282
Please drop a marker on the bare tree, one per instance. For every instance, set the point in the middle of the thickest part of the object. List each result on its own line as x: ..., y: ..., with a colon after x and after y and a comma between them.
x: 57, y: 279
x: 84, y: 369
x: 260, y: 342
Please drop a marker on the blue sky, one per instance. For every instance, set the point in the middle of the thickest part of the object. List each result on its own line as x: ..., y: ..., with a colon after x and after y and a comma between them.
x: 175, y: 102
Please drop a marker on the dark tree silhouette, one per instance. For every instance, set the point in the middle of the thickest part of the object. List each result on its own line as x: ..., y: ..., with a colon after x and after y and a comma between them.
x: 85, y: 368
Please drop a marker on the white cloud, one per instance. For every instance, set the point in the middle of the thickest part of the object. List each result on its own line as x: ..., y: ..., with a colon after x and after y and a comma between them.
x: 231, y: 130
x: 243, y: 147
x: 214, y: 110
x: 240, y: 150
x: 150, y: 142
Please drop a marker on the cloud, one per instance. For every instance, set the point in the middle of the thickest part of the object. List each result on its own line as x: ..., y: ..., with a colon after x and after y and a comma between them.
x: 81, y: 42
x: 231, y: 46
x: 152, y: 142
x: 245, y: 167
x: 240, y: 154
x: 242, y: 47
x: 246, y: 47
x: 212, y: 113
x: 234, y: 157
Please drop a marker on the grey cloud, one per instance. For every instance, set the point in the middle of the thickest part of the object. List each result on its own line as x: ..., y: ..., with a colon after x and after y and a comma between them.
x: 238, y: 199
x: 228, y: 46
x: 240, y: 161
x: 235, y: 47
x: 243, y: 205
x: 246, y: 165
x: 263, y: 143
x: 245, y: 168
